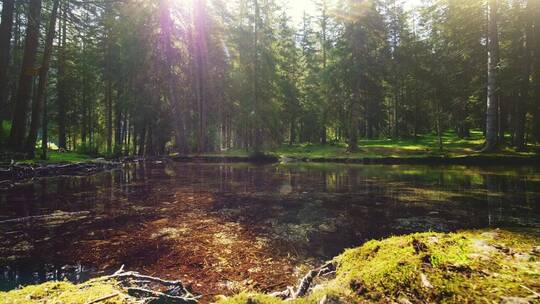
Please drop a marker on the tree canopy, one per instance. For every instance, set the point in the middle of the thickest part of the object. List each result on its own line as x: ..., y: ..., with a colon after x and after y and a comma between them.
x: 142, y: 77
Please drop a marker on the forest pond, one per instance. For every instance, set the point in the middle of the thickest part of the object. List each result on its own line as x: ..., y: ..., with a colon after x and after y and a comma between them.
x: 221, y: 228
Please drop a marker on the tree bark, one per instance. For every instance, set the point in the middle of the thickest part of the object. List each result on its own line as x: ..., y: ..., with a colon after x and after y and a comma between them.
x: 18, y: 125
x: 5, y: 44
x: 38, y: 102
x: 492, y: 94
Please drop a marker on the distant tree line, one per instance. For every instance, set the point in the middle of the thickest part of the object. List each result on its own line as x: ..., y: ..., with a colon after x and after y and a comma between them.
x: 145, y: 77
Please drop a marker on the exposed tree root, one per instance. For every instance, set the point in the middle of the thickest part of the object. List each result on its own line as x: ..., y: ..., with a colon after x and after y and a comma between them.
x: 150, y: 289
x: 305, y: 283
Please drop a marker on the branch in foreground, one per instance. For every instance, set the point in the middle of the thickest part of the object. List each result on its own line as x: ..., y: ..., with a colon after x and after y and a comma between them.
x: 305, y: 283
x: 149, y: 289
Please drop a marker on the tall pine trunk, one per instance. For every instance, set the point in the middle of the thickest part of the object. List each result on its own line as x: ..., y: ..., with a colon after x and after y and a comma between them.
x: 167, y: 49
x: 18, y: 125
x: 492, y: 94
x: 257, y: 132
x: 38, y: 102
x: 201, y: 73
x: 523, y: 101
x: 108, y: 77
x: 535, y: 47
x: 5, y: 44
x: 61, y: 86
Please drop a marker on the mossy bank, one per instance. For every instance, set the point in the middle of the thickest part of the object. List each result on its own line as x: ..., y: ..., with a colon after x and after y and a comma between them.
x: 484, y: 266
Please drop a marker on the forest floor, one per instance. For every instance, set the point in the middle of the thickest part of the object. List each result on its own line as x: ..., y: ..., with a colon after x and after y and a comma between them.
x: 491, y: 266
x: 422, y: 146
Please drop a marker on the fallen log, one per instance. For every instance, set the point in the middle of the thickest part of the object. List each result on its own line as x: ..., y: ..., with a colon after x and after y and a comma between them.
x: 45, y: 217
x: 18, y: 171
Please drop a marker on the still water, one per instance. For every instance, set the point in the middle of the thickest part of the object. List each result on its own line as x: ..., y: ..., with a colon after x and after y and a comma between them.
x: 224, y: 227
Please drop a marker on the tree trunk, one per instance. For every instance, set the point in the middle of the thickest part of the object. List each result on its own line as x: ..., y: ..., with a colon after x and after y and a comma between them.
x: 38, y: 102
x: 352, y: 139
x: 523, y: 101
x: 492, y: 94
x: 61, y: 86
x: 201, y: 70
x: 257, y: 143
x: 118, y: 123
x: 5, y: 44
x: 18, y: 125
x: 292, y: 131
x: 108, y: 78
x: 166, y: 32
x: 535, y: 48
x: 45, y: 133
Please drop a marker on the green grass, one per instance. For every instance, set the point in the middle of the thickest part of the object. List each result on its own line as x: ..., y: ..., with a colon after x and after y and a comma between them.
x: 54, y: 157
x: 422, y: 146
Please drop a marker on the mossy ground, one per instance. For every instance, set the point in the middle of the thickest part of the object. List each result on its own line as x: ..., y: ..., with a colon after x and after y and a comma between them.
x: 67, y: 293
x: 465, y: 267
x: 485, y: 266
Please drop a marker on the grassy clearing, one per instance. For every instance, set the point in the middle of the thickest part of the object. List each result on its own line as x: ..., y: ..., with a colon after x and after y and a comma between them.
x: 422, y: 146
x: 485, y: 266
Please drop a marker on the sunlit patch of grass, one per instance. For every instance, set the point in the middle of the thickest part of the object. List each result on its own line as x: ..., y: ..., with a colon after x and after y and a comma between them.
x: 426, y: 145
x: 60, y: 157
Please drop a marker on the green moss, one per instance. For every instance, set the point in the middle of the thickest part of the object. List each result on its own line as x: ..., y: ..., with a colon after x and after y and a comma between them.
x: 464, y: 267
x: 68, y: 293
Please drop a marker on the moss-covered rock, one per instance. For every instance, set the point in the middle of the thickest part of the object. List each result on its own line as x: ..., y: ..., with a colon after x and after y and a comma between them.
x: 467, y: 267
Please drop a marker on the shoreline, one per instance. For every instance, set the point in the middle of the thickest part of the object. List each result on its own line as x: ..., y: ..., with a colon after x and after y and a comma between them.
x: 20, y: 170
x: 482, y: 160
x: 411, y: 268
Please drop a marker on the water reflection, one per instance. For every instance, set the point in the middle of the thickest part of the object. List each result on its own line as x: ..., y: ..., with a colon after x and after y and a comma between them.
x: 151, y: 215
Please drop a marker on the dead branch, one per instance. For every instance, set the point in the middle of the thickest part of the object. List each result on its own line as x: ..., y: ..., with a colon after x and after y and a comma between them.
x: 305, y: 283
x: 104, y: 298
x: 158, y: 296
x: 147, y: 288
